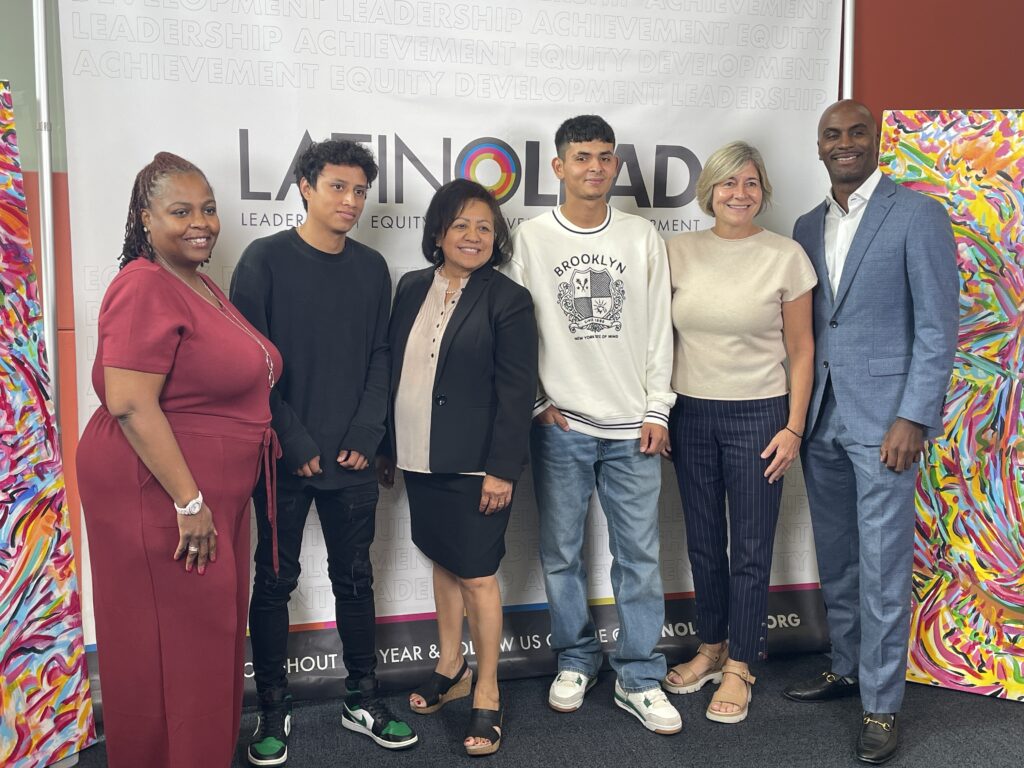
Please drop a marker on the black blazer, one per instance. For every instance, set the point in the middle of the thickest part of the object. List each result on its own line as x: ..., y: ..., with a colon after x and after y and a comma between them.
x: 486, y: 380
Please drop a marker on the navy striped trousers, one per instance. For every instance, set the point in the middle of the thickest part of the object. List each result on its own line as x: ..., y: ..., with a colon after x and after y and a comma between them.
x: 716, y: 451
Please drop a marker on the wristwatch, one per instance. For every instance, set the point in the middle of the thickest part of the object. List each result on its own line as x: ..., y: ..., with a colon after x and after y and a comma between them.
x: 193, y: 507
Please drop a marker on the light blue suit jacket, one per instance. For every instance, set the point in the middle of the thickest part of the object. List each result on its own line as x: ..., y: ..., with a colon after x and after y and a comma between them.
x: 888, y: 338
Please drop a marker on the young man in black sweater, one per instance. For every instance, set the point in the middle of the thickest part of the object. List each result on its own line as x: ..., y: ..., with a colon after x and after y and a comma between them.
x: 324, y: 300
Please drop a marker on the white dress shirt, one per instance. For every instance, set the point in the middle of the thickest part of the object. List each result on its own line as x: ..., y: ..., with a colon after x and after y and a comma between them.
x: 841, y: 226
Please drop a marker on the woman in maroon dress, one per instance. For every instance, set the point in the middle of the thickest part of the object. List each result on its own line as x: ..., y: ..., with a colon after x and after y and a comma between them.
x: 166, y: 468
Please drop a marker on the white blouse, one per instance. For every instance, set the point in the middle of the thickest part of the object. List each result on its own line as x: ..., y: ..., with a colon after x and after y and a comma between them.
x: 419, y: 367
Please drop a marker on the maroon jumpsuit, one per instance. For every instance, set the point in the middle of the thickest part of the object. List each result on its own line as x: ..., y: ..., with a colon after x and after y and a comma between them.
x: 171, y: 643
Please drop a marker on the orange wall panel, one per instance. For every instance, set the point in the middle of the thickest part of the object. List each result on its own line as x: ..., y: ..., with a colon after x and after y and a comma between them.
x: 69, y: 428
x: 938, y: 54
x: 66, y: 356
x: 61, y: 242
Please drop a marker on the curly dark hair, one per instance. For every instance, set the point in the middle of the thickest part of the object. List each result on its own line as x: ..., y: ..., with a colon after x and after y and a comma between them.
x: 148, y: 184
x: 446, y: 205
x: 582, y: 128
x: 333, y: 152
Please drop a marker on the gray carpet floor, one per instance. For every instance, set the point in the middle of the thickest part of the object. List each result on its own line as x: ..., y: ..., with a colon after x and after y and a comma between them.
x: 939, y: 729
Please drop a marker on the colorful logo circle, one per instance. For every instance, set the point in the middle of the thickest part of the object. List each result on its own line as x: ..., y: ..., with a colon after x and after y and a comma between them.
x: 479, y: 151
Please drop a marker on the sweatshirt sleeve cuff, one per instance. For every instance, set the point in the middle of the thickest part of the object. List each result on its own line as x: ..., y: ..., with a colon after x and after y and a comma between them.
x: 657, y: 413
x: 540, y: 405
x: 362, y: 439
x: 298, y: 450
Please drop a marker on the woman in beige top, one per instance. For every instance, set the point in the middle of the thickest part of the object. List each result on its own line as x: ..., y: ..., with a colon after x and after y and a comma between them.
x: 741, y: 304
x: 463, y: 380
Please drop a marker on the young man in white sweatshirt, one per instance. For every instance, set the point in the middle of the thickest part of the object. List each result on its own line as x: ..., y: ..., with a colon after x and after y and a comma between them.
x: 600, y: 286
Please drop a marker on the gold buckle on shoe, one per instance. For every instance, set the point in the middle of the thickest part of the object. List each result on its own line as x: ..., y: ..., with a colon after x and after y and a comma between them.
x: 884, y: 726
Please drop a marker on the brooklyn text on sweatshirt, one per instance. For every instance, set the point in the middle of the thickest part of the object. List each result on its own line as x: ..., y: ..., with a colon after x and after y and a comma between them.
x: 602, y: 299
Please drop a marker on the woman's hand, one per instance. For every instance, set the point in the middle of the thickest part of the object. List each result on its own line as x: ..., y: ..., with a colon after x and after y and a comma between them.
x: 786, y: 446
x: 385, y: 466
x: 495, y: 494
x: 197, y: 540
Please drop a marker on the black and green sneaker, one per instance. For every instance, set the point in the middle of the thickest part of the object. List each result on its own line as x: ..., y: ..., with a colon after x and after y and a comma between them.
x: 269, y: 745
x: 364, y: 712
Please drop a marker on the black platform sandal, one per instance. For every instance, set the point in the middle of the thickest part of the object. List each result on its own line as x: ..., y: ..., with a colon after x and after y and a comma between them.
x: 439, y: 690
x: 484, y: 724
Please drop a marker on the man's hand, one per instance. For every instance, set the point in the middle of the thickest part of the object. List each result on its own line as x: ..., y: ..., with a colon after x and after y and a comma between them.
x: 353, y: 460
x: 386, y: 471
x: 552, y: 415
x: 902, y: 445
x: 310, y: 468
x: 653, y: 438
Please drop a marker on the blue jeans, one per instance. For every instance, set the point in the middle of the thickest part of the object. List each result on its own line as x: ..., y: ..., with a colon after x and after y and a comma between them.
x: 566, y: 468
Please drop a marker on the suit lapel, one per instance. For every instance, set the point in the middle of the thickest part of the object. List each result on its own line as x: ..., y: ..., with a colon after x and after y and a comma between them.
x: 817, y: 253
x: 470, y: 296
x: 878, y: 208
x: 403, y: 320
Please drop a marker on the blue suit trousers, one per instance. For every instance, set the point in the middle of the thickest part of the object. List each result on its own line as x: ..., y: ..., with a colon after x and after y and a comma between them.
x: 863, y: 517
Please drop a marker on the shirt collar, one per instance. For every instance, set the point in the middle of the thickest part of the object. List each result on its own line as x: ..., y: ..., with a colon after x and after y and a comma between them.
x: 859, y: 196
x: 441, y: 282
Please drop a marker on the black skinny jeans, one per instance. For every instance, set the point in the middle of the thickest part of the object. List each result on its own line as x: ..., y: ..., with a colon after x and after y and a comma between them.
x: 347, y: 517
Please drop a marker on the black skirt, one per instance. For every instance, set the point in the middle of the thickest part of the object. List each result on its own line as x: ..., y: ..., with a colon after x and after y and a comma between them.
x: 448, y: 526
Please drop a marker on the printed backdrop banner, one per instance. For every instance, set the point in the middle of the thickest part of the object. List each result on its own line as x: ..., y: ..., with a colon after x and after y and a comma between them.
x: 441, y: 90
x: 45, y: 709
x: 968, y: 631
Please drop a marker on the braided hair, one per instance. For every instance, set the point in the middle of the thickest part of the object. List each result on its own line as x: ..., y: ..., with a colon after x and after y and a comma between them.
x: 147, y: 186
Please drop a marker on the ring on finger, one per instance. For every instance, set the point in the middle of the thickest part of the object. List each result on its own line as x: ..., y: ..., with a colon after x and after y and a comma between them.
x: 193, y: 548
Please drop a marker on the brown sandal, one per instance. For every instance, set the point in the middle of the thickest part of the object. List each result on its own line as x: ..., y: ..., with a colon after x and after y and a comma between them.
x: 691, y: 683
x: 732, y: 668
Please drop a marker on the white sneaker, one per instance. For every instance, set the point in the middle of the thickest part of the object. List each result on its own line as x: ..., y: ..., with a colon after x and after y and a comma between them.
x: 651, y: 708
x: 567, y: 691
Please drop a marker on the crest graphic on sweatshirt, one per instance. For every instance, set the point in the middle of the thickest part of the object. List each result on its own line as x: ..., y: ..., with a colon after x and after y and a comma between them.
x: 592, y: 300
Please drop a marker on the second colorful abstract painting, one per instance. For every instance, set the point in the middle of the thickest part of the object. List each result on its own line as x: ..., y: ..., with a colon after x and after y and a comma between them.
x: 968, y: 630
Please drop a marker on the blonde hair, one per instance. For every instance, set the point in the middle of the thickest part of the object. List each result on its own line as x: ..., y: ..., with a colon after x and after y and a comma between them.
x: 724, y: 163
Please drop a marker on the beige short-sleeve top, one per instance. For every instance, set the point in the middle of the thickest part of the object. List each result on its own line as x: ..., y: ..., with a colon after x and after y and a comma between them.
x: 727, y: 298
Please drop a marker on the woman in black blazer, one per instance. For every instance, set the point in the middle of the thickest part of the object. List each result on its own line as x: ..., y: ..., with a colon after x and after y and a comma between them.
x: 464, y: 378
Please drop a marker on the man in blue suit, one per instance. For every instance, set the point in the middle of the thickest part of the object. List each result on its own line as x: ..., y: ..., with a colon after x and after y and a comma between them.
x: 885, y: 323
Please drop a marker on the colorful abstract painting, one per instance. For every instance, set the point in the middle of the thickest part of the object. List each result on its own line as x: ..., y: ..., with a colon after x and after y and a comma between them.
x: 968, y: 630
x: 45, y: 708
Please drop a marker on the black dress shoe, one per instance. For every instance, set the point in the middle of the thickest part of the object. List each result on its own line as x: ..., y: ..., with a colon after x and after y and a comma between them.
x: 824, y: 687
x: 878, y: 736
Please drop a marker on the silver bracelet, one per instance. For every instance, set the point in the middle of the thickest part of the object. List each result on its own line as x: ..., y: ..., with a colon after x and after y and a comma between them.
x: 193, y: 507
